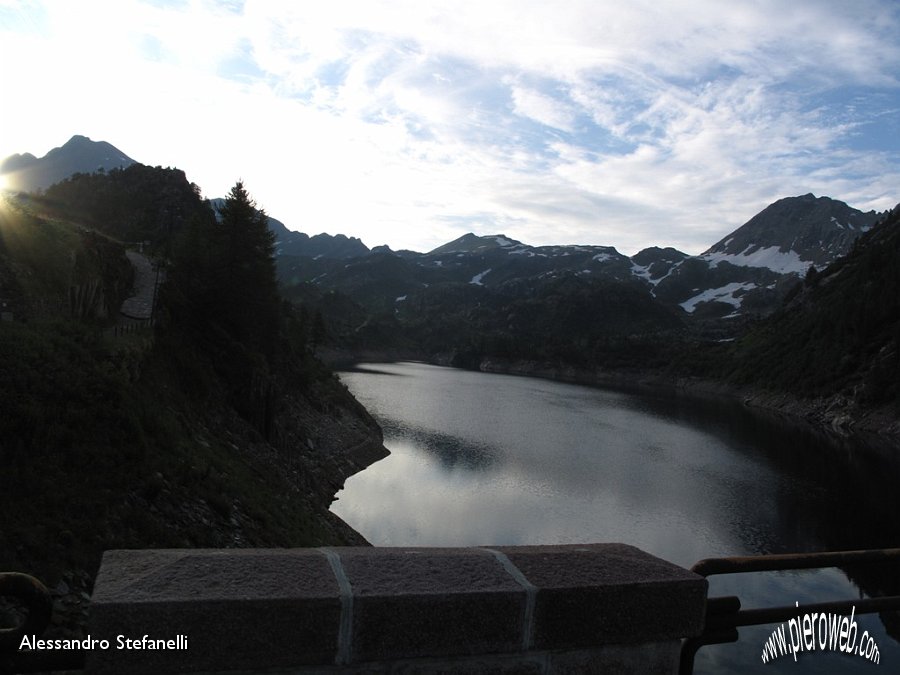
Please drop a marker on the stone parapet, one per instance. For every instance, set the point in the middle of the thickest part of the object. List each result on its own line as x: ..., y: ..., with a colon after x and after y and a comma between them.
x: 572, y: 608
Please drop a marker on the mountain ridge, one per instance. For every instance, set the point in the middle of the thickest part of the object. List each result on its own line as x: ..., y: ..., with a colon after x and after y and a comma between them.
x: 294, y: 243
x: 747, y: 272
x: 787, y: 236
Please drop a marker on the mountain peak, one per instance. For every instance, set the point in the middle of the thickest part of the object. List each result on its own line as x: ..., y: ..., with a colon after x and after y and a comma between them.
x: 470, y: 242
x: 793, y: 233
x: 79, y: 155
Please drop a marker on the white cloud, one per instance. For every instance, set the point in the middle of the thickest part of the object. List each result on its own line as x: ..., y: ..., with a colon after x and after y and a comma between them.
x: 534, y: 105
x: 405, y: 122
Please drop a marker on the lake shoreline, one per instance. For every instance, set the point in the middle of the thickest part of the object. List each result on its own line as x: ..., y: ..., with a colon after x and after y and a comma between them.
x: 837, y: 414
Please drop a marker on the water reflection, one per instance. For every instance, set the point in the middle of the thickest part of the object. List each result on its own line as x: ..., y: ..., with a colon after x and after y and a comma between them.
x: 486, y: 459
x: 451, y: 451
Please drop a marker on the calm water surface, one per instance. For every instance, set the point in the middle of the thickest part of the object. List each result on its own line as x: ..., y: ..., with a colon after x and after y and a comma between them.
x: 480, y: 459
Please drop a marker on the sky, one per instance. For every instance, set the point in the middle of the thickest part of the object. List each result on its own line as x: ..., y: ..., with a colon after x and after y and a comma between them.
x: 412, y: 122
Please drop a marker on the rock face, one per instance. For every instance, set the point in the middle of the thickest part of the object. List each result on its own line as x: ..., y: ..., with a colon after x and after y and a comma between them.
x: 80, y: 154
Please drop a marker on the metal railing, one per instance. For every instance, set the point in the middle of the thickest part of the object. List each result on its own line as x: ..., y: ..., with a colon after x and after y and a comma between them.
x: 724, y: 614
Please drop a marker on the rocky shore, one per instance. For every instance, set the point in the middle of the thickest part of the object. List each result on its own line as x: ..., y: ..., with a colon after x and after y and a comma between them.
x: 839, y: 413
x: 318, y: 450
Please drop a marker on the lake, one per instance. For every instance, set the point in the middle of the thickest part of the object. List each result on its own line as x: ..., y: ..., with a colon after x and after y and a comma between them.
x: 483, y: 459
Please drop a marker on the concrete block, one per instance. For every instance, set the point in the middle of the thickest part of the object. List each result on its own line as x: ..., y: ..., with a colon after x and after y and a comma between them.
x: 248, y: 608
x: 431, y: 602
x: 597, y: 594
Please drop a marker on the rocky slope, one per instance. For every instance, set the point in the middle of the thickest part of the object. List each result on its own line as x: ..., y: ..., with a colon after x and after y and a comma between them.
x: 835, y: 344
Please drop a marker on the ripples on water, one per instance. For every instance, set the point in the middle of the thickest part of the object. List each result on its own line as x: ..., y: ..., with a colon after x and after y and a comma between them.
x: 482, y: 459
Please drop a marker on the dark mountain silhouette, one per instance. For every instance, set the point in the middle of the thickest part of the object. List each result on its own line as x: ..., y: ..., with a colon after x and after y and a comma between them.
x: 79, y: 155
x: 291, y: 243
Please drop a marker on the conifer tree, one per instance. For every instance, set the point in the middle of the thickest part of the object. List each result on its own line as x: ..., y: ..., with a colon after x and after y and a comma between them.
x: 245, y: 250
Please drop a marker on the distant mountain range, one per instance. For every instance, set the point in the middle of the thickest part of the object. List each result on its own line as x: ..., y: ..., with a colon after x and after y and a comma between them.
x: 748, y: 272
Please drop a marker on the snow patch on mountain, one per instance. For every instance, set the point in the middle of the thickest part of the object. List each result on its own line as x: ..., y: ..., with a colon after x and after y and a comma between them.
x: 784, y: 262
x: 722, y: 294
x: 478, y: 277
x: 643, y: 271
